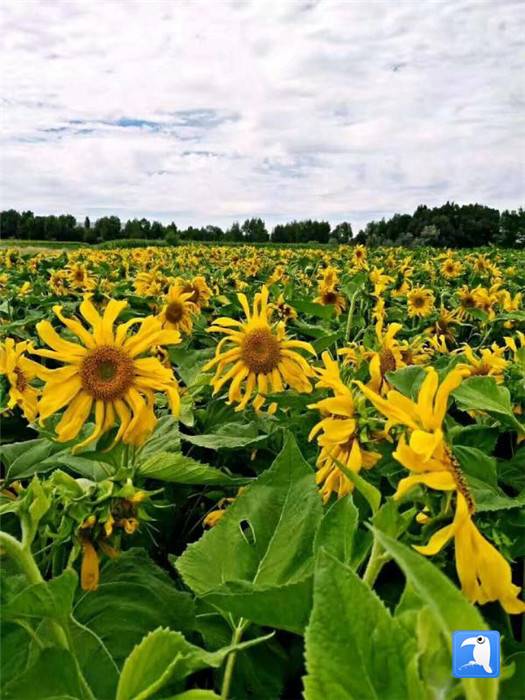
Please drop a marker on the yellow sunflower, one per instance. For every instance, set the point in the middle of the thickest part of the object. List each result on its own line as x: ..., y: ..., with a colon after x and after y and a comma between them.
x: 337, y: 435
x: 179, y: 310
x: 420, y: 302
x: 258, y: 355
x: 20, y: 371
x: 328, y: 291
x: 108, y: 372
x: 197, y: 288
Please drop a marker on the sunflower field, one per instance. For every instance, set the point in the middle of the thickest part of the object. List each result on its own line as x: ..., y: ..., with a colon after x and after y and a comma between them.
x: 247, y: 472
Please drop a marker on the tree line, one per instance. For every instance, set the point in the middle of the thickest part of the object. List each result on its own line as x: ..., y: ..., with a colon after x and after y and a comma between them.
x: 451, y: 225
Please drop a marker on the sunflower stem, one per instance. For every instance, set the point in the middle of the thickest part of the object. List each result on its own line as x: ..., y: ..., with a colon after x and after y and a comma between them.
x: 230, y: 661
x: 350, y: 316
x: 377, y: 560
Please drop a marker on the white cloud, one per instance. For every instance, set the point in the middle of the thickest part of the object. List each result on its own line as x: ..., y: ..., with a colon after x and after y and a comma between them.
x: 211, y: 111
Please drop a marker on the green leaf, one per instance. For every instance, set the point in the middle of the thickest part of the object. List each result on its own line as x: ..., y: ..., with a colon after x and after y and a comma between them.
x: 488, y: 497
x: 407, y: 380
x: 165, y: 438
x: 258, y: 560
x: 484, y: 394
x: 451, y: 609
x: 231, y: 436
x: 134, y: 597
x: 365, y: 488
x: 52, y: 598
x: 337, y: 530
x: 196, y: 694
x: 476, y: 463
x: 479, y: 436
x: 175, y: 467
x: 53, y: 676
x: 98, y: 666
x: 162, y: 656
x: 355, y: 650
x: 311, y: 308
x: 389, y: 520
x: 23, y: 459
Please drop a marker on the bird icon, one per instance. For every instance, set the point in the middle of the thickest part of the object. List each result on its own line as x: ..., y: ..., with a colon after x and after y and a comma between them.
x: 481, y: 653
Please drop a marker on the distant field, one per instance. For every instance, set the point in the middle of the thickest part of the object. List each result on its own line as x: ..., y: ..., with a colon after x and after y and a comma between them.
x: 39, y: 245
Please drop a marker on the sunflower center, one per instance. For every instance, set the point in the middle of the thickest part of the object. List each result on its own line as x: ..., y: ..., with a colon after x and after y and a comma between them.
x: 106, y: 373
x: 387, y: 361
x: 174, y: 311
x: 260, y: 351
x: 418, y: 301
x: 21, y: 381
x: 329, y: 297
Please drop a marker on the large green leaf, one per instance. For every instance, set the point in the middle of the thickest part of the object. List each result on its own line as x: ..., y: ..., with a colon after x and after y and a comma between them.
x: 337, y: 530
x: 257, y: 561
x: 176, y: 468
x: 134, y: 597
x: 52, y: 598
x: 163, y: 656
x: 355, y: 650
x: 451, y: 609
x: 53, y: 676
x: 484, y: 394
x: 23, y: 459
x: 228, y: 436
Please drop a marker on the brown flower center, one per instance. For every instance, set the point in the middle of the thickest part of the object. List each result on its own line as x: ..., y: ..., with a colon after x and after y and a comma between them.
x: 21, y: 381
x: 329, y: 297
x: 107, y: 373
x: 174, y: 311
x: 260, y: 351
x: 387, y: 361
x: 418, y: 301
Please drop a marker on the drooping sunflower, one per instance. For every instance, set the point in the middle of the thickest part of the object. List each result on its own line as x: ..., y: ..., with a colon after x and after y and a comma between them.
x: 179, y: 311
x: 20, y: 371
x: 328, y: 291
x: 420, y: 302
x: 198, y: 288
x: 337, y: 433
x: 110, y: 372
x: 258, y: 356
x: 484, y: 573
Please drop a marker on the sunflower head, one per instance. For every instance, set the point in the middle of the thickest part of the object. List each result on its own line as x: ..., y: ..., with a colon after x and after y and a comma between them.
x: 420, y: 302
x: 111, y: 372
x: 257, y: 354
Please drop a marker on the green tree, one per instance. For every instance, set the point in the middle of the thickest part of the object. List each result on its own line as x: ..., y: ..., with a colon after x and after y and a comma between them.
x: 254, y: 230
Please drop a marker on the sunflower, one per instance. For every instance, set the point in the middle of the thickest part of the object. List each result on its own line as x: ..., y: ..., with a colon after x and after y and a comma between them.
x: 258, y: 355
x: 450, y: 268
x: 443, y: 327
x: 20, y: 371
x: 179, y: 310
x: 483, y: 572
x: 109, y: 373
x: 337, y: 434
x: 490, y: 362
x: 328, y: 291
x: 420, y: 302
x: 197, y: 288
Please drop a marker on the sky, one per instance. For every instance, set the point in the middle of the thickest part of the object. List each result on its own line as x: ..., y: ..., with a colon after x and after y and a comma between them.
x: 210, y: 111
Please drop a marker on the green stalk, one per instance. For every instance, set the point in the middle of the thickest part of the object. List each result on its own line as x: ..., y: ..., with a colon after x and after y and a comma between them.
x: 230, y: 661
x: 377, y: 560
x: 350, y: 315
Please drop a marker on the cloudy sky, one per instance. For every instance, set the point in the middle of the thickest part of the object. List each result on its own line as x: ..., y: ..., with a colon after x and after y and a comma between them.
x: 209, y: 112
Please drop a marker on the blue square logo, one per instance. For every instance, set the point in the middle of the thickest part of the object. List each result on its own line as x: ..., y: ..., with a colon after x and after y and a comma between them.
x: 475, y: 654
